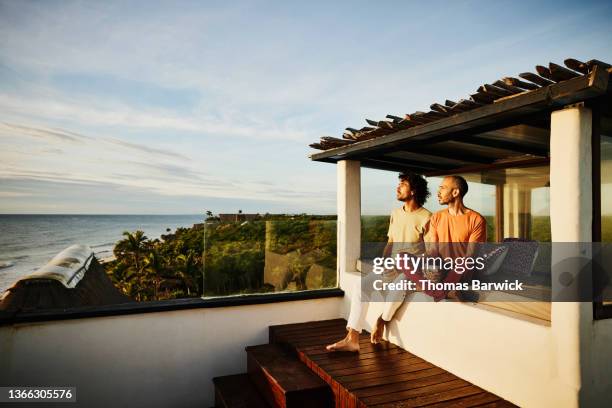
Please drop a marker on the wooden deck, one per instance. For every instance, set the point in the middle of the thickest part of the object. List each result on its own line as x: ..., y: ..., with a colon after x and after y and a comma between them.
x: 379, y: 376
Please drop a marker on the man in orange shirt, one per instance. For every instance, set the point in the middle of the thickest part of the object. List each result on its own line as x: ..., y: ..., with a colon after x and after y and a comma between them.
x: 457, y: 225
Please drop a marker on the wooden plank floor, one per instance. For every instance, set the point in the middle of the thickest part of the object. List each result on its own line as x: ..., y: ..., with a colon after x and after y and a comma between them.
x: 382, y: 375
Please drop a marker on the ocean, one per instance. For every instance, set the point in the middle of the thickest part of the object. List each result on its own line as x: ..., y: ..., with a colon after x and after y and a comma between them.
x: 28, y: 242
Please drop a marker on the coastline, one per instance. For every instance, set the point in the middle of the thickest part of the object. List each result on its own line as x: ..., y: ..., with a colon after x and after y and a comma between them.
x: 31, y: 241
x: 106, y: 259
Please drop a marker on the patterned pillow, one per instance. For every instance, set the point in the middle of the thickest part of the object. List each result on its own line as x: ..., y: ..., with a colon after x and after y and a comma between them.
x: 493, y: 259
x: 522, y: 255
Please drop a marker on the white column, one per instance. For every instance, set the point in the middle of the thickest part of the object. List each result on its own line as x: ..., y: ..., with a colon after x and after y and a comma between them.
x: 571, y: 215
x: 349, y: 217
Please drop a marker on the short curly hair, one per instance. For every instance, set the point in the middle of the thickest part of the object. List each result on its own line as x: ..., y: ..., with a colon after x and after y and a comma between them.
x: 418, y: 184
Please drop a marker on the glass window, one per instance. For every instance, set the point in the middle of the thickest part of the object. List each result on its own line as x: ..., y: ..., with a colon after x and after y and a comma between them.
x: 606, y: 190
x: 514, y: 201
x: 606, y: 186
x: 269, y: 254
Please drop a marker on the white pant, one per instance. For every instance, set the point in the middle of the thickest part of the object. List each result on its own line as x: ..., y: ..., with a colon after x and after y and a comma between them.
x: 360, y: 300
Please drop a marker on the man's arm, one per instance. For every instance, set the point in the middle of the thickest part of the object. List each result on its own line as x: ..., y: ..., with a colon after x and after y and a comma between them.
x: 388, y: 248
x: 479, y: 232
x: 431, y: 234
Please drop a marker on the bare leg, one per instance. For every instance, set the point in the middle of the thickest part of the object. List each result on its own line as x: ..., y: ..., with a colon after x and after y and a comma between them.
x: 379, y: 331
x: 349, y: 343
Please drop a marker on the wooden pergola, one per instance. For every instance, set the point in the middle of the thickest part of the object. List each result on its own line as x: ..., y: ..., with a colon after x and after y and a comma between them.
x: 502, y: 124
x: 555, y: 119
x: 505, y: 124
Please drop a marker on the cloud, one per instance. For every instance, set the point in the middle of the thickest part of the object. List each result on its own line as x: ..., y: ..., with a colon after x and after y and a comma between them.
x: 107, y: 113
x: 15, y: 194
x: 146, y: 149
x: 82, y: 161
x: 175, y: 171
x: 52, y: 150
x: 56, y: 134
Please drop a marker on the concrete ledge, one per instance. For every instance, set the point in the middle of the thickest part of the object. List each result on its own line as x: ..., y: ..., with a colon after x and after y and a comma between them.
x: 168, y: 305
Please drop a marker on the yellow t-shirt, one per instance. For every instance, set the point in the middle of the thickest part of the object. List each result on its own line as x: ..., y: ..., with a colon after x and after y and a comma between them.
x: 408, y: 228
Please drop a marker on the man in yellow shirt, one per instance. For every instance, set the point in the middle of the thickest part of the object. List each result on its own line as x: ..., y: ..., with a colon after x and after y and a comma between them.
x: 407, y: 228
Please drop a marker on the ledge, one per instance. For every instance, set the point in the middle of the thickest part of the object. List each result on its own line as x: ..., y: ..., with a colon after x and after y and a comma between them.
x: 166, y: 305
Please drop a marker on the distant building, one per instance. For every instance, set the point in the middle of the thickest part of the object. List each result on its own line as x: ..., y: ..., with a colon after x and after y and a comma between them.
x: 238, y: 217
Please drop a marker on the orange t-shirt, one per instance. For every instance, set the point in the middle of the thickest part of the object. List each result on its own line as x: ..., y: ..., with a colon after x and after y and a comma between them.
x: 468, y: 227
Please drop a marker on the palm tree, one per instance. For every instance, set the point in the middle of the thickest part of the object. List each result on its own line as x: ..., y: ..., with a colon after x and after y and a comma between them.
x: 189, y: 271
x: 153, y: 268
x: 135, y: 245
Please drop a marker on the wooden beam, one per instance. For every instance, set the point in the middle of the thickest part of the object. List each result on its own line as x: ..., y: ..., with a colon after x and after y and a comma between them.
x: 531, y: 77
x: 544, y: 72
x: 560, y: 73
x: 483, y: 97
x: 494, y: 90
x: 449, y: 153
x: 426, y: 165
x: 576, y: 65
x: 508, y: 87
x: 493, y: 166
x: 603, y: 65
x: 518, y: 83
x: 439, y: 108
x: 499, y: 212
x: 510, y: 145
x: 391, y: 166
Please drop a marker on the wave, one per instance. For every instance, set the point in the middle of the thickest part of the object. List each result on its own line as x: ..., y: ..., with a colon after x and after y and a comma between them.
x: 6, y: 264
x: 103, y: 245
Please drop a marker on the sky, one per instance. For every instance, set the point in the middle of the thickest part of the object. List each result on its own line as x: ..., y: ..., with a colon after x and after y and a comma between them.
x: 182, y: 107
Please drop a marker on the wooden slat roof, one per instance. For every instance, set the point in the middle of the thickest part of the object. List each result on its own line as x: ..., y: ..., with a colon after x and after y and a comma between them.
x: 475, y: 130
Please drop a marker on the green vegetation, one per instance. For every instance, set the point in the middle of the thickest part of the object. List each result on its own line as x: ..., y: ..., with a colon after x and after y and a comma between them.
x: 540, y: 228
x: 169, y: 268
x: 374, y: 228
x: 606, y: 228
x: 235, y: 258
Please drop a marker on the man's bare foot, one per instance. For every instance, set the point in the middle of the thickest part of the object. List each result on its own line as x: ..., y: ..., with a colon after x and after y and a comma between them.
x: 349, y: 343
x: 378, y: 332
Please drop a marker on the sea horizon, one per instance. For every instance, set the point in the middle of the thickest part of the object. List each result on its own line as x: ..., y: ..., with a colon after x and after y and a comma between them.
x: 94, y: 214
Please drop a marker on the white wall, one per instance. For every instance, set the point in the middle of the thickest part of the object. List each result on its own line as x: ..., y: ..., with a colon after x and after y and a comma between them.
x: 599, y: 353
x: 349, y: 214
x: 154, y: 359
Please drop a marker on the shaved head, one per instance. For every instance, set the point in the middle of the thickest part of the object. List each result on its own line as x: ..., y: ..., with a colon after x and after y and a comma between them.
x: 460, y: 184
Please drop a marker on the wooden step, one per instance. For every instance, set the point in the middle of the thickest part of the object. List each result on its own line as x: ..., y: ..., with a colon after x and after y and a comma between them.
x: 284, y: 381
x: 237, y: 391
x: 381, y: 375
